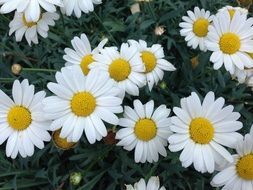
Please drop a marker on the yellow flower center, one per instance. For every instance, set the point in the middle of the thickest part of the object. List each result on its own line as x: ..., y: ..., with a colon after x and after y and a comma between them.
x: 26, y: 23
x: 86, y: 60
x: 119, y: 69
x: 244, y: 167
x: 201, y: 130
x: 229, y: 43
x: 60, y: 142
x: 149, y: 61
x: 200, y: 27
x: 19, y: 118
x: 145, y: 129
x: 231, y: 13
x: 83, y: 104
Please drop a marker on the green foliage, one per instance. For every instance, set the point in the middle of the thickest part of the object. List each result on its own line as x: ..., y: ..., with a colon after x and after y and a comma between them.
x: 103, y: 166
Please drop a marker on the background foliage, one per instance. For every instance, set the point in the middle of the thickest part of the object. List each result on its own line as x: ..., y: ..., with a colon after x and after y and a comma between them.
x: 107, y: 167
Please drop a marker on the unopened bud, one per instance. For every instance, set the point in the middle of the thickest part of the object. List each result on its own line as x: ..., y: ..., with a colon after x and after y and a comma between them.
x: 16, y: 68
x: 245, y: 3
x: 110, y: 138
x: 75, y: 178
x: 163, y: 85
x: 61, y: 143
x: 195, y: 62
x: 135, y: 8
x: 159, y: 30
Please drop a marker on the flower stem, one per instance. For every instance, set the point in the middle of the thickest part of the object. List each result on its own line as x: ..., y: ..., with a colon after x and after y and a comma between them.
x: 106, y: 29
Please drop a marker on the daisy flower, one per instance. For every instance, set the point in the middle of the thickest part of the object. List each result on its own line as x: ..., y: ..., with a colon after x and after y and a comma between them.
x: 82, y: 55
x: 153, y: 184
x: 79, y: 6
x: 22, y: 27
x: 232, y: 10
x: 201, y: 131
x: 153, y: 60
x: 195, y: 28
x: 238, y: 175
x: 230, y: 40
x: 124, y: 67
x: 22, y: 121
x: 146, y: 130
x: 81, y: 103
x: 30, y: 8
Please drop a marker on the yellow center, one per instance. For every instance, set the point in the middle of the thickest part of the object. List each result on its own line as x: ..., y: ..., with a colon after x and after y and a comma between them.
x: 86, y: 60
x: 145, y: 129
x: 149, y: 61
x: 244, y: 167
x: 119, y: 69
x: 19, y: 118
x: 231, y: 13
x: 201, y: 130
x: 229, y: 43
x: 26, y: 23
x: 60, y: 142
x: 200, y: 27
x: 83, y: 104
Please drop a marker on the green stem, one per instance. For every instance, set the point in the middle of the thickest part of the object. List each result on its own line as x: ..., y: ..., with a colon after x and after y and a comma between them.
x: 152, y: 11
x: 106, y: 29
x: 38, y: 69
x: 62, y: 20
x: 95, y: 161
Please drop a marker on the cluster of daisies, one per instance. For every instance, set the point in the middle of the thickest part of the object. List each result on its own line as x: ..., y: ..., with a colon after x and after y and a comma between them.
x: 33, y: 17
x: 228, y: 35
x: 89, y: 94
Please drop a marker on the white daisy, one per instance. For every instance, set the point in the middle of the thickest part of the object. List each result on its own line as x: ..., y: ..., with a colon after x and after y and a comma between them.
x: 238, y: 175
x: 229, y: 40
x: 153, y: 184
x: 79, y: 6
x: 195, y: 27
x: 81, y: 103
x: 146, y: 130
x: 31, y: 8
x: 22, y: 27
x: 82, y: 55
x: 124, y: 67
x: 232, y: 10
x: 201, y: 131
x: 153, y: 60
x: 22, y: 121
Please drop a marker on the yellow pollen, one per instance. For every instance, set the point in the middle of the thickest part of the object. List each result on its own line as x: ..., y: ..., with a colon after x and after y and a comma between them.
x: 60, y: 142
x: 83, y: 104
x: 149, y: 61
x: 86, y: 60
x: 244, y: 167
x: 145, y: 129
x: 26, y: 23
x: 229, y: 43
x: 119, y: 70
x: 200, y: 27
x: 201, y: 130
x: 231, y: 13
x: 19, y: 118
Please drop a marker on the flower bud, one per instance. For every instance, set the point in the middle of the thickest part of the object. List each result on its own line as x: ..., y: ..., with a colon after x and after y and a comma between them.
x: 60, y: 142
x: 75, y: 178
x: 159, y: 30
x: 16, y: 68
